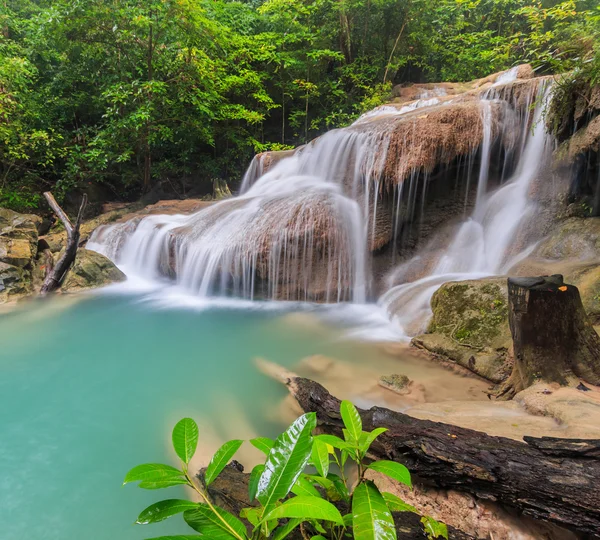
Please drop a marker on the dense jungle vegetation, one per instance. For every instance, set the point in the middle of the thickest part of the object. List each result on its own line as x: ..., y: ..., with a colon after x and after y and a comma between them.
x: 125, y: 97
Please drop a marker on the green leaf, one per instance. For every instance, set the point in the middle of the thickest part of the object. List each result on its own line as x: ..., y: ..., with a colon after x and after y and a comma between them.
x: 306, y: 508
x: 162, y: 510
x: 253, y: 482
x: 396, y: 504
x: 164, y: 483
x: 351, y: 420
x: 334, y: 441
x: 304, y: 486
x: 178, y: 537
x: 264, y: 444
x: 347, y: 520
x: 320, y: 457
x: 394, y: 470
x: 217, y: 525
x: 185, y: 439
x: 286, y: 461
x: 371, y: 518
x: 251, y: 514
x: 286, y: 529
x: 151, y: 472
x: 221, y: 458
x: 433, y: 528
x: 367, y: 439
x: 318, y: 537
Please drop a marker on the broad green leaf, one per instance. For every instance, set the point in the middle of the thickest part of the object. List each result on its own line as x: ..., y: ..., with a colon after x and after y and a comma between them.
x: 306, y: 507
x: 185, y: 439
x: 253, y: 482
x: 179, y: 537
x: 304, y: 486
x: 221, y: 458
x: 251, y: 514
x: 347, y: 520
x: 286, y: 461
x: 151, y: 472
x: 318, y: 537
x: 163, y: 510
x: 218, y: 525
x: 286, y: 529
x: 371, y: 518
x: 351, y: 420
x: 334, y: 441
x: 433, y: 528
x: 396, y: 504
x: 320, y: 457
x: 366, y: 439
x: 394, y: 470
x: 339, y: 485
x: 264, y: 444
x: 164, y: 483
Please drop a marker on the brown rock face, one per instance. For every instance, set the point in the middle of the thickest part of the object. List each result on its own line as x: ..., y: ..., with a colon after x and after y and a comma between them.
x: 91, y: 270
x: 18, y: 248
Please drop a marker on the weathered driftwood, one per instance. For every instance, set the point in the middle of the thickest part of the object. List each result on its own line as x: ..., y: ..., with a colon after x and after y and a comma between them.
x: 55, y: 273
x: 553, y: 338
x: 230, y: 491
x: 561, y: 487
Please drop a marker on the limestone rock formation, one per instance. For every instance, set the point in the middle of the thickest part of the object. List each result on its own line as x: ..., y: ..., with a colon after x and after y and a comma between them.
x: 470, y: 327
x: 18, y: 248
x: 91, y: 270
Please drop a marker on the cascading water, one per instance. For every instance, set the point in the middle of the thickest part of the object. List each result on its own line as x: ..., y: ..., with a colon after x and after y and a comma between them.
x: 298, y: 232
x: 483, y: 244
x: 304, y: 228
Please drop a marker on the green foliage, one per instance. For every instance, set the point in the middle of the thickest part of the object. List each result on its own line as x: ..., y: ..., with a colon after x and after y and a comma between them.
x: 125, y: 95
x: 288, y: 496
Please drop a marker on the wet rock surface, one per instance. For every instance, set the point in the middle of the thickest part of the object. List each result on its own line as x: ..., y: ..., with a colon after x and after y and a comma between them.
x: 91, y: 270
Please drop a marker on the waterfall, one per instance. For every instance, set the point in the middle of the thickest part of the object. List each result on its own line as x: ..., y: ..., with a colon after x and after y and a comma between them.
x: 483, y: 243
x: 307, y: 222
x: 300, y: 231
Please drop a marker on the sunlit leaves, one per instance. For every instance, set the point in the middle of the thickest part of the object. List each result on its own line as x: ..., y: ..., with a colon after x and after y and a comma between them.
x: 221, y: 458
x: 286, y: 461
x: 185, y: 439
x: 306, y: 507
x: 371, y: 518
x: 164, y: 509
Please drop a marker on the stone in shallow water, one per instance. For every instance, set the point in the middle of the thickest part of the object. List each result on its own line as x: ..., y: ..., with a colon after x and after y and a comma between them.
x: 396, y: 383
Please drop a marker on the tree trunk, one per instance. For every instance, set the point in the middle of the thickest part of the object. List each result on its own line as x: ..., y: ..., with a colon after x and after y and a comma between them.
x: 553, y: 338
x: 555, y: 480
x: 55, y: 275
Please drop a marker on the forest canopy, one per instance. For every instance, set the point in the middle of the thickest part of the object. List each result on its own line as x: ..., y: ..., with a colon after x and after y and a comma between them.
x: 127, y: 96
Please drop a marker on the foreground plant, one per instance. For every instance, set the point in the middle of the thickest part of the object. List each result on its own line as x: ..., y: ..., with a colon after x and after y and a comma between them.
x: 286, y: 495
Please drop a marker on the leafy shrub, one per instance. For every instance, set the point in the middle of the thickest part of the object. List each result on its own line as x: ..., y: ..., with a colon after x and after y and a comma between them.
x: 289, y: 494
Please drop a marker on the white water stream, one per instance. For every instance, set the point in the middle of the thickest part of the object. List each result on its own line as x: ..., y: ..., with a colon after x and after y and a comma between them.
x: 301, y: 231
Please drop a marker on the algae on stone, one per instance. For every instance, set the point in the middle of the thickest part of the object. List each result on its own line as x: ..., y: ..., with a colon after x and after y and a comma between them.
x: 470, y: 326
x: 91, y: 270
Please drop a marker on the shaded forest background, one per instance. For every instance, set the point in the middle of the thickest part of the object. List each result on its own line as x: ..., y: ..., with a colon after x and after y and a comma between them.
x: 121, y: 98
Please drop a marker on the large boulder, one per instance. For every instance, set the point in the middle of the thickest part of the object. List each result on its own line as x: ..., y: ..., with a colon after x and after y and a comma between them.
x: 470, y: 327
x: 91, y: 270
x: 18, y: 249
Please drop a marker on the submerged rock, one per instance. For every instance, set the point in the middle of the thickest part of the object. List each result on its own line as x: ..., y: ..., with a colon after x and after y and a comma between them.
x: 470, y: 326
x: 91, y: 270
x: 396, y: 383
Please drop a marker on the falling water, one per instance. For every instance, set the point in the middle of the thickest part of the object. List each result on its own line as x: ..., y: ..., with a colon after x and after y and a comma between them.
x: 298, y: 232
x: 305, y: 225
x: 483, y: 244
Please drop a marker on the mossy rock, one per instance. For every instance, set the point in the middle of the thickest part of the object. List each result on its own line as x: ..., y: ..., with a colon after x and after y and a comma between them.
x: 396, y: 383
x: 91, y: 270
x: 470, y: 326
x: 573, y: 238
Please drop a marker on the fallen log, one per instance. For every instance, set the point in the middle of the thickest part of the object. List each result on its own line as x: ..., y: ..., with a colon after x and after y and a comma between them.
x: 523, y: 476
x: 553, y: 339
x: 55, y: 273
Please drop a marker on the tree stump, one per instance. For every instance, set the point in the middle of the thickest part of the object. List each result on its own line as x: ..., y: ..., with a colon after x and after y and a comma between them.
x: 553, y: 338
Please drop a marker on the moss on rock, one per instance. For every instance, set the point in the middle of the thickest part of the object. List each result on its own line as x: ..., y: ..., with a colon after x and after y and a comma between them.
x: 91, y: 270
x: 470, y: 326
